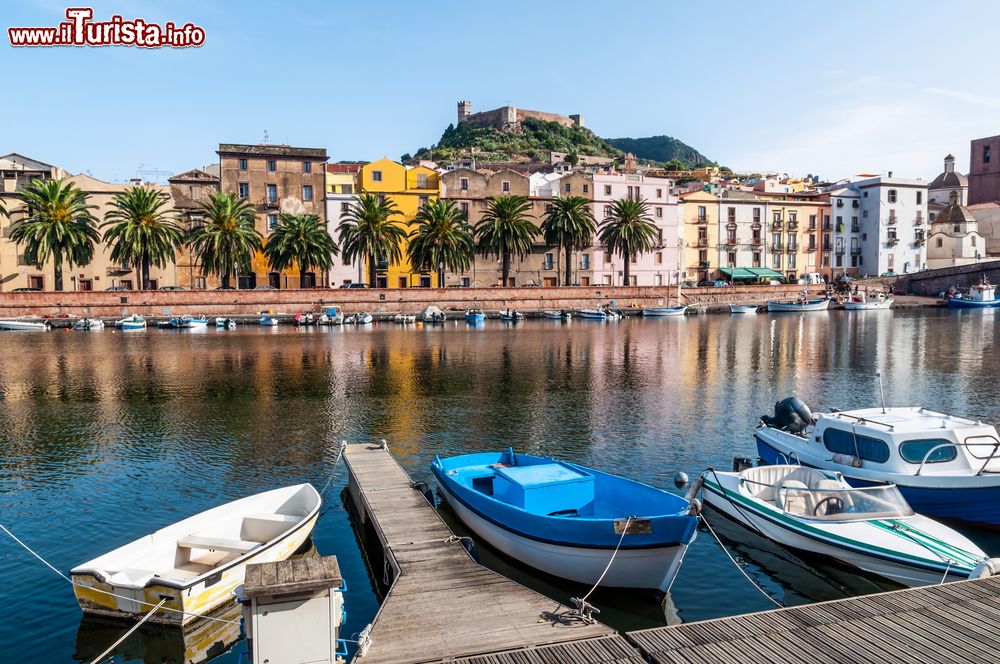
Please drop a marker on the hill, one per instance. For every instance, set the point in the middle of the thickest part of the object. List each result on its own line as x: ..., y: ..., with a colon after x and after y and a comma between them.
x: 660, y: 149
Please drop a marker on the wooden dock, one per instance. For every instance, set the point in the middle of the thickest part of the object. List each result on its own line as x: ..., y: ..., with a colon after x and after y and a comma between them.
x: 443, y: 605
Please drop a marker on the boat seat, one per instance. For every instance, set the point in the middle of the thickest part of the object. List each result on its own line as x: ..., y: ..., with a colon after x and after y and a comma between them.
x: 793, y: 502
x: 265, y: 527
x: 216, y: 544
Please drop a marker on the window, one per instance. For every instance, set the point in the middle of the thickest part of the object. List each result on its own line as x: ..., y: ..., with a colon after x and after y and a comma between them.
x: 826, y: 222
x: 347, y: 188
x: 892, y: 195
x: 423, y: 201
x: 307, y: 167
x: 986, y: 154
x: 972, y: 239
x: 607, y: 190
x: 756, y: 259
x: 607, y: 211
x: 958, y: 229
x: 920, y: 197
x: 567, y: 187
x: 914, y: 451
x: 376, y: 176
x: 243, y: 164
x: 793, y: 217
x: 703, y: 257
x: 891, y: 261
x: 463, y: 184
x: 344, y: 207
x: 659, y: 193
x: 244, y: 189
x: 465, y: 208
x: 701, y: 213
x: 659, y: 213
x: 505, y: 186
x: 939, y: 243
x: 731, y: 215
x: 776, y: 261
x: 812, y: 222
x: 791, y: 261
x: 854, y: 225
x: 548, y: 261
x: 272, y: 222
x: 272, y: 193
x: 777, y: 216
x: 659, y: 236
x: 840, y: 260
x: 307, y: 192
x: 584, y: 261
x: 658, y: 257
x: 200, y: 283
x: 586, y: 188
x: 756, y: 215
x: 421, y: 180
x: 607, y: 256
x: 272, y: 166
x: 731, y: 258
x: 867, y: 448
x: 731, y: 236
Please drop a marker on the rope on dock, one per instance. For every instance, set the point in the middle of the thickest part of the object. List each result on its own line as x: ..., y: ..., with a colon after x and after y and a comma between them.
x: 107, y: 592
x: 738, y: 566
x: 585, y: 610
x: 111, y: 648
x: 336, y: 467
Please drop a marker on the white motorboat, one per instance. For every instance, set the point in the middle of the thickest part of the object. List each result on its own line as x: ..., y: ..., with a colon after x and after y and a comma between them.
x: 871, y: 528
x: 197, y: 563
x: 862, y: 301
x: 802, y: 304
x: 332, y: 315
x: 88, y: 324
x: 557, y: 315
x: 944, y: 465
x: 405, y: 319
x: 431, y: 314
x: 225, y: 323
x: 22, y: 324
x: 592, y: 314
x: 742, y: 308
x: 658, y: 312
x: 268, y: 321
x: 133, y: 322
x: 363, y: 318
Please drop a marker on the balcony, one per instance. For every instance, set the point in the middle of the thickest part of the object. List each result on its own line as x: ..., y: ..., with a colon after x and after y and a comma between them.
x: 811, y: 248
x: 776, y: 225
x: 855, y: 251
x: 891, y: 220
x: 731, y: 226
x: 919, y: 241
x: 730, y: 243
x: 855, y: 229
x: 268, y: 202
x: 791, y: 249
x: 919, y: 220
x: 756, y: 241
x: 701, y: 221
x: 703, y: 242
x: 840, y: 251
x: 776, y: 246
x: 703, y: 264
x: 756, y: 225
x: 793, y: 225
x: 892, y: 241
x: 118, y: 270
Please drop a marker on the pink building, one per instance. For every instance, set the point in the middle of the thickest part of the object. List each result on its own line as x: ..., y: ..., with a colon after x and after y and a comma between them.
x: 658, y: 267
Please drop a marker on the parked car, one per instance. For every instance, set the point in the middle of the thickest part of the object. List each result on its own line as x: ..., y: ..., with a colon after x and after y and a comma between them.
x: 25, y: 289
x: 224, y: 288
x: 811, y: 278
x: 355, y: 286
x: 172, y: 288
x: 890, y: 273
x: 118, y: 288
x: 265, y: 288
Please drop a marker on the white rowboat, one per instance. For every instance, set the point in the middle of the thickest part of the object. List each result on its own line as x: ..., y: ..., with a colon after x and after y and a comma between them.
x: 197, y: 563
x: 802, y: 305
x: 864, y: 302
x: 742, y: 308
x: 658, y: 312
x: 18, y: 324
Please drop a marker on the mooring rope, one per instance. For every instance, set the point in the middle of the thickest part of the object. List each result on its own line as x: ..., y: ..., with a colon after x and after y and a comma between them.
x: 336, y: 467
x: 738, y: 566
x: 583, y: 608
x: 111, y: 648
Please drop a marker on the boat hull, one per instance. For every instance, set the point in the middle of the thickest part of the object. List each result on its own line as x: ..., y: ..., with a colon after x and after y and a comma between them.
x: 634, y: 569
x: 868, y: 306
x: 742, y: 308
x: 960, y: 303
x: 980, y: 505
x: 812, y: 305
x: 660, y: 312
x: 22, y: 325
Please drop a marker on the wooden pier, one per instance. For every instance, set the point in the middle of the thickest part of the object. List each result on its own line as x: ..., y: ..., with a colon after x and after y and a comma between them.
x: 442, y: 604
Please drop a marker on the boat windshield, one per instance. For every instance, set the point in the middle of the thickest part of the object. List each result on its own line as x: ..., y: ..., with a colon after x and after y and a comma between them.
x: 877, y: 502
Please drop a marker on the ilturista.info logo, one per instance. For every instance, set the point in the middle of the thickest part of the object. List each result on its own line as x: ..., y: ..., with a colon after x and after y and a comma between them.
x: 81, y: 30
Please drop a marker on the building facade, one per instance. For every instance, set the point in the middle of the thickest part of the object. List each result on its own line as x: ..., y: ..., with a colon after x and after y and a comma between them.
x: 189, y: 190
x: 893, y: 224
x: 954, y: 236
x: 699, y: 215
x: 275, y: 179
x: 984, y: 170
x: 341, y: 193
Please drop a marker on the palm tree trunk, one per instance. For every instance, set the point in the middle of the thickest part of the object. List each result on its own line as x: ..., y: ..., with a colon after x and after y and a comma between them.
x: 371, y: 271
x: 225, y: 278
x: 506, y: 269
x: 625, y: 272
x: 145, y: 273
x: 569, y: 264
x: 57, y: 271
x: 441, y: 277
x: 302, y: 276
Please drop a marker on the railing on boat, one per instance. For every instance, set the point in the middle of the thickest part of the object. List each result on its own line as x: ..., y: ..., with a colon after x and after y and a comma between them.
x: 995, y: 445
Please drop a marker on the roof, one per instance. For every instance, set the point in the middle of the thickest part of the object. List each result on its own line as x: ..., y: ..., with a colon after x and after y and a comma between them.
x: 954, y: 212
x: 343, y: 168
x: 906, y: 419
x: 949, y: 179
x: 271, y: 150
x: 194, y: 175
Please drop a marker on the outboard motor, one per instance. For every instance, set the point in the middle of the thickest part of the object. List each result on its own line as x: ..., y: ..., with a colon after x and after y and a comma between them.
x: 790, y: 414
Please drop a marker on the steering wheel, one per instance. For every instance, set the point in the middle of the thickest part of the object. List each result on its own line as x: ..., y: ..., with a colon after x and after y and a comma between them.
x: 836, y: 506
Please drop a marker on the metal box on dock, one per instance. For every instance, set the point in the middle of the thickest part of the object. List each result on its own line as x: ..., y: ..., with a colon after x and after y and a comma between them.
x: 292, y: 610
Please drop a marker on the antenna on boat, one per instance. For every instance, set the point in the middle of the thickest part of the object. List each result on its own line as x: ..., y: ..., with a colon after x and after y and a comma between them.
x: 881, y: 392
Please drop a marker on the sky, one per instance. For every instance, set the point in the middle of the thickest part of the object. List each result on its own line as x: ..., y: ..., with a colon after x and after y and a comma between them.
x: 831, y: 89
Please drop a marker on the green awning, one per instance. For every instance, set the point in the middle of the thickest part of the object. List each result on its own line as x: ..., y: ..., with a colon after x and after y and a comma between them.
x: 750, y: 273
x: 765, y: 273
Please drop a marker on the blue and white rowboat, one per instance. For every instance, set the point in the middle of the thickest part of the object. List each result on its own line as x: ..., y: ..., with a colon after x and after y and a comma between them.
x: 566, y: 520
x: 268, y: 321
x: 664, y: 311
x: 475, y: 316
x: 872, y: 529
x: 801, y: 305
x: 133, y: 322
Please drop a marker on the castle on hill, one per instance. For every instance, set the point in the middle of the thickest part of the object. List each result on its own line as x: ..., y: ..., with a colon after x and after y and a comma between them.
x: 509, y: 118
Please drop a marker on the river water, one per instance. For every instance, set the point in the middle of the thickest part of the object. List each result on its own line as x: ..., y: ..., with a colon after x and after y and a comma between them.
x: 106, y: 436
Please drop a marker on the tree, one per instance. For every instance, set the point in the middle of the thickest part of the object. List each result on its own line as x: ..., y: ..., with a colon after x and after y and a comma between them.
x: 301, y: 239
x: 56, y: 223
x: 628, y: 231
x: 141, y: 232
x: 227, y: 238
x: 505, y: 230
x: 570, y: 225
x: 442, y: 238
x: 368, y: 231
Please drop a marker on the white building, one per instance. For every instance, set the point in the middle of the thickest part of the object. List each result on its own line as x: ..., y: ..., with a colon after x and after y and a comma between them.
x: 954, y: 237
x: 893, y: 224
x: 845, y: 233
x: 341, y: 190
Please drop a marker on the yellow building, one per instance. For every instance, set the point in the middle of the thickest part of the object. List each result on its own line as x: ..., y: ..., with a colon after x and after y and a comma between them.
x: 699, y: 214
x: 409, y: 189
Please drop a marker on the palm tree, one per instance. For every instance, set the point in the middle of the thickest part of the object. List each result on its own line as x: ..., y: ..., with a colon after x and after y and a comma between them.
x: 505, y: 230
x: 301, y: 239
x: 628, y: 231
x: 367, y: 231
x: 441, y: 239
x: 141, y: 232
x: 570, y: 225
x: 227, y: 238
x: 56, y: 223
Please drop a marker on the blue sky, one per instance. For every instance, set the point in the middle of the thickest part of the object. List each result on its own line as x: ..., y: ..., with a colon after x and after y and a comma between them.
x: 829, y: 88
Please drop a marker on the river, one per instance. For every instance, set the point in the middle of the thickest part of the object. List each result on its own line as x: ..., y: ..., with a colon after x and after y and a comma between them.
x: 106, y: 436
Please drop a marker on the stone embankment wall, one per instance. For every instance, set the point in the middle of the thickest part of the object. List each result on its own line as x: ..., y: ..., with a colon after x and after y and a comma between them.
x: 404, y: 300
x: 932, y: 282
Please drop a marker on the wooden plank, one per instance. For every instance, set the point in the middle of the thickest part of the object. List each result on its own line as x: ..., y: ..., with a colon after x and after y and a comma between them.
x: 292, y: 576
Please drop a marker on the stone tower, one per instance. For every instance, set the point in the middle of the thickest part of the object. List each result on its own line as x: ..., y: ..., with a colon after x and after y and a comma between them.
x: 464, y: 110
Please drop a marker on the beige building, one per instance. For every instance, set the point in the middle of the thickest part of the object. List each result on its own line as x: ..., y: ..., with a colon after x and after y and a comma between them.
x: 188, y: 191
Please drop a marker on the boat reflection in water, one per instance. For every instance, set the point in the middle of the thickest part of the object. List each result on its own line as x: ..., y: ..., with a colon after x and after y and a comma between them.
x: 803, y: 577
x: 200, y: 641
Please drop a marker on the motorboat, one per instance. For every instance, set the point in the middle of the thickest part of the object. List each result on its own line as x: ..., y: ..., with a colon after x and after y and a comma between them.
x: 557, y: 315
x: 225, y: 323
x: 197, y: 563
x: 802, y: 304
x: 980, y: 296
x: 592, y: 314
x: 474, y: 316
x: 133, y: 322
x: 869, y: 528
x: 862, y: 301
x: 567, y: 520
x: 743, y: 308
x: 944, y: 465
x: 431, y: 314
x: 404, y: 319
x: 268, y: 320
x: 305, y: 319
x: 183, y: 323
x: 333, y: 315
x: 85, y: 324
x: 511, y: 315
x: 656, y: 312
x: 363, y: 318
x: 23, y: 324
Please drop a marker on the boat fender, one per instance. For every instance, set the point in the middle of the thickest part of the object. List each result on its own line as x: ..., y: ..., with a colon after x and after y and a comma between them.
x: 986, y: 568
x: 846, y: 460
x: 695, y: 488
x: 695, y: 507
x: 470, y: 547
x: 425, y: 491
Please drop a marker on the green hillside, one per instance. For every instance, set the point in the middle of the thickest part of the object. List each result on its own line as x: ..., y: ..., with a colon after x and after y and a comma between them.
x: 661, y: 149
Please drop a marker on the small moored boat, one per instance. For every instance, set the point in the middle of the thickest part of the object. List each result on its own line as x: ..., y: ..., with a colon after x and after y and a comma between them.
x: 364, y: 318
x: 474, y: 316
x: 592, y: 314
x: 742, y: 308
x: 557, y: 315
x: 566, y: 520
x: 85, y: 324
x: 862, y: 301
x: 871, y: 528
x: 198, y: 562
x: 333, y: 315
x: 22, y: 324
x: 511, y: 315
x: 404, y: 319
x: 802, y: 304
x: 267, y: 321
x: 980, y: 296
x: 225, y: 323
x: 657, y: 312
x: 305, y: 319
x: 133, y: 322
